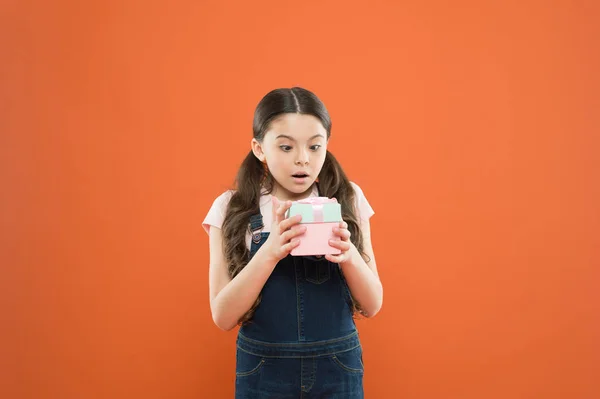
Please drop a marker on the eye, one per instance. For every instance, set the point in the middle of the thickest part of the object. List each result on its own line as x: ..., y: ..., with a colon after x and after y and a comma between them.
x: 315, y: 147
x: 285, y: 148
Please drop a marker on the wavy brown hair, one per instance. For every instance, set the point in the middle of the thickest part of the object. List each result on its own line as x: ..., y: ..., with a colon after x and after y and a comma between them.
x: 252, y: 178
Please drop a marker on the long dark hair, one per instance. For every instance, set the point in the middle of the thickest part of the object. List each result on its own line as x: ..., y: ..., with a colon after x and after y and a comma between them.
x: 253, y: 179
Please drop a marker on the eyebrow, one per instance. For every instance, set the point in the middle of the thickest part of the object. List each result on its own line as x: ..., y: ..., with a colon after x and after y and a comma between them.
x: 283, y: 136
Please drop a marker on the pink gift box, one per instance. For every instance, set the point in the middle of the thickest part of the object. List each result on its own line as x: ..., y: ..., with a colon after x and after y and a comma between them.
x: 320, y: 215
x: 315, y: 241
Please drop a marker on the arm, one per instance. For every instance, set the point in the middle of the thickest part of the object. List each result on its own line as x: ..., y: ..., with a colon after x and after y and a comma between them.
x: 362, y: 277
x: 230, y: 299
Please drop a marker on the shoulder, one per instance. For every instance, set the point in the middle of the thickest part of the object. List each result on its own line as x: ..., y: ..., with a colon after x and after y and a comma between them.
x: 223, y: 199
x: 216, y: 213
x: 361, y: 203
x: 357, y: 189
x: 359, y: 193
x: 220, y: 203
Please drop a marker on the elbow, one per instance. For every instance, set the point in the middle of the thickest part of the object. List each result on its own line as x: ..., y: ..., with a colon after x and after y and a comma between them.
x: 376, y: 305
x: 221, y: 320
x: 224, y: 325
x: 373, y: 310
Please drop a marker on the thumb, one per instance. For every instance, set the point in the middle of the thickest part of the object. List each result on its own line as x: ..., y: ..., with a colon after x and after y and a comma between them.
x: 275, y: 205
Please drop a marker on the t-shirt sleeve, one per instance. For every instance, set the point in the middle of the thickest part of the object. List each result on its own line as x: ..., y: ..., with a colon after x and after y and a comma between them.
x: 365, y: 210
x: 216, y: 213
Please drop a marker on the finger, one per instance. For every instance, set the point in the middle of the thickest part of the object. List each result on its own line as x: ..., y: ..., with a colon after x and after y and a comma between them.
x: 335, y: 258
x: 275, y: 206
x: 341, y: 245
x: 289, y: 222
x: 292, y: 233
x: 344, y: 234
x: 343, y: 225
x: 279, y: 213
x: 287, y: 248
x: 283, y: 207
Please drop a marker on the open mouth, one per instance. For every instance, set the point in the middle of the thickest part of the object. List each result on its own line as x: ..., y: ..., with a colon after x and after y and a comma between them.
x: 300, y: 175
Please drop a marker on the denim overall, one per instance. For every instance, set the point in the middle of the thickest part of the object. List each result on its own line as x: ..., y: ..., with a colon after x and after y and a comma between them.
x: 302, y: 341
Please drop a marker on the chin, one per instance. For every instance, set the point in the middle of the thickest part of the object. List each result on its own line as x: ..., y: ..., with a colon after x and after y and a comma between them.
x: 299, y: 189
x: 296, y: 190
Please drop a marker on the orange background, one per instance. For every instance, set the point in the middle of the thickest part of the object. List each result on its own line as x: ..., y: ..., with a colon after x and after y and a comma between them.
x: 472, y: 128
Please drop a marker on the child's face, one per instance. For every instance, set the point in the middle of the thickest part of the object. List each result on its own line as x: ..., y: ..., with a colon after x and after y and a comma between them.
x: 293, y: 145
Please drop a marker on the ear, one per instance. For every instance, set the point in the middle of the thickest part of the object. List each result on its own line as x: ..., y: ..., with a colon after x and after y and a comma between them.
x: 257, y: 150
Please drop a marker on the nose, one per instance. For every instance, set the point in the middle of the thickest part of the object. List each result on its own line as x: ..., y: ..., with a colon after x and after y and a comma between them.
x: 302, y: 158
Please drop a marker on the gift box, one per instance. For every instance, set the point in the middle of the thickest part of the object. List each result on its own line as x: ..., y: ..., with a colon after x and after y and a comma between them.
x: 320, y: 215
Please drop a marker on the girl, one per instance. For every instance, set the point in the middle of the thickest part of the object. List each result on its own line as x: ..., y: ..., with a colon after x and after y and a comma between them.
x: 297, y: 337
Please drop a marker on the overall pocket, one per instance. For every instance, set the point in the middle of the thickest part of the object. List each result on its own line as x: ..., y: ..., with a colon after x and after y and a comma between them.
x: 349, y: 361
x: 247, y: 364
x: 317, y: 272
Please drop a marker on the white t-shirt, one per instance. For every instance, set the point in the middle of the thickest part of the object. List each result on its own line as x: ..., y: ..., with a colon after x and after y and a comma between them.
x: 216, y: 214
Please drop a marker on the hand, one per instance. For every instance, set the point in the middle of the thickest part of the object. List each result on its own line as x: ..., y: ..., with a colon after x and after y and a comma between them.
x: 341, y: 242
x: 284, y: 232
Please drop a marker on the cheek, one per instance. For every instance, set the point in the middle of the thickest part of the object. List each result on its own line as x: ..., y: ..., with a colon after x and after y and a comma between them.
x: 275, y: 163
x: 320, y: 159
